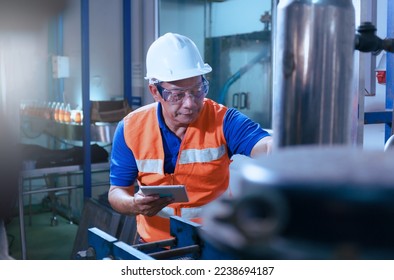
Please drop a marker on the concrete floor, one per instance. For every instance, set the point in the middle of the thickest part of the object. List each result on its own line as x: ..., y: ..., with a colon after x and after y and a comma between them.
x: 43, y: 241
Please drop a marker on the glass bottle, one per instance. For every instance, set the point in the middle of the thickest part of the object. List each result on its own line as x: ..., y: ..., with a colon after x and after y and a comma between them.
x: 67, y: 113
x: 56, y: 112
x: 61, y: 112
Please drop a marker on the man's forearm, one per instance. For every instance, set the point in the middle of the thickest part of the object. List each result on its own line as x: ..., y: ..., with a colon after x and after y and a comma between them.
x: 121, y: 200
x: 263, y: 146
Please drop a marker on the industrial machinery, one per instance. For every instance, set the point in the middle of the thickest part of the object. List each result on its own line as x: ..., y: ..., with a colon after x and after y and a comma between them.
x: 314, y: 102
x: 308, y: 202
x: 186, y: 244
x: 316, y: 196
x: 300, y: 203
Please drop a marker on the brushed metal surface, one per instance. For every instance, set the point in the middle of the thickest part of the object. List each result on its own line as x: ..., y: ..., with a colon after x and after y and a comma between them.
x: 313, y: 72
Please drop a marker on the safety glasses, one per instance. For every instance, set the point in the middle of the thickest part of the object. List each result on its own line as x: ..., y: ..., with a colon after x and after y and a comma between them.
x: 177, y: 95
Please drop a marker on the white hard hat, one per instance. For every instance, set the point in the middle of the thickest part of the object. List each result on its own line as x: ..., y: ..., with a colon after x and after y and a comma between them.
x: 174, y: 57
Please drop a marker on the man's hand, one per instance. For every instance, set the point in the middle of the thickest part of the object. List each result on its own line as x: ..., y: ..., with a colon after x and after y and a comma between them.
x: 124, y: 201
x: 149, y: 205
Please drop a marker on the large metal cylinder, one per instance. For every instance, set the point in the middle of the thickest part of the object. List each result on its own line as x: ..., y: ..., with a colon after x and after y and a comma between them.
x: 312, y: 98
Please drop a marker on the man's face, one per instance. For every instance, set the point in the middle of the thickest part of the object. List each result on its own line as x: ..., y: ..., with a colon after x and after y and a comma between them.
x: 181, y: 100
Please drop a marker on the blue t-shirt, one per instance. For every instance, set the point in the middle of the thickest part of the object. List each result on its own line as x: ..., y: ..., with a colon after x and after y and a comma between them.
x: 241, y: 134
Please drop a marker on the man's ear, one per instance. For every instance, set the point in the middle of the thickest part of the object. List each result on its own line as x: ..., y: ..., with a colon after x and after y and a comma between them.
x: 155, y: 93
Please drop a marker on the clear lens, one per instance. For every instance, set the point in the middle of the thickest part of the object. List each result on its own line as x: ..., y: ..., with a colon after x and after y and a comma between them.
x: 177, y: 95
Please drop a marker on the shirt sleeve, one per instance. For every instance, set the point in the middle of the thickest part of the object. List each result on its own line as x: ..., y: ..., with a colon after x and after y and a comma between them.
x: 241, y: 132
x: 123, y: 167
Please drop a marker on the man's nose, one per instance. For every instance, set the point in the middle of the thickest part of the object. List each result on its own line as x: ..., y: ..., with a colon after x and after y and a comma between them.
x: 189, y: 97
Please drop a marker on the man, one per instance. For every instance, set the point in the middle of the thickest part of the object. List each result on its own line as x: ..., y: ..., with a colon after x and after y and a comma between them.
x: 182, y: 138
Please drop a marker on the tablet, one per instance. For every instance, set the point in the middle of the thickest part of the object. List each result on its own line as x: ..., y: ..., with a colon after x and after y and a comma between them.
x: 178, y: 192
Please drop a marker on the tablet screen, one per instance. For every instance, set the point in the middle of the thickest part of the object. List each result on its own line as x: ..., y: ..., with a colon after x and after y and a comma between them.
x: 178, y: 192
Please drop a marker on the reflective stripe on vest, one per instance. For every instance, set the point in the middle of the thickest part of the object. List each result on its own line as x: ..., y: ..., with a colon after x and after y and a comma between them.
x: 187, y: 156
x: 150, y: 165
x: 186, y: 213
x: 205, y: 155
x: 189, y: 213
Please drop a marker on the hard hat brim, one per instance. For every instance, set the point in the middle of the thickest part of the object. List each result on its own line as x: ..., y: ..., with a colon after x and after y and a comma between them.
x: 183, y: 75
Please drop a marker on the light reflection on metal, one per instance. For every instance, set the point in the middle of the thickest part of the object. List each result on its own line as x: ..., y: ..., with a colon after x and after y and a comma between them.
x: 255, y: 173
x: 313, y: 75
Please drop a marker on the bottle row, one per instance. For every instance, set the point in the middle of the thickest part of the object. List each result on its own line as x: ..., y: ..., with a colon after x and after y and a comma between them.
x: 56, y: 111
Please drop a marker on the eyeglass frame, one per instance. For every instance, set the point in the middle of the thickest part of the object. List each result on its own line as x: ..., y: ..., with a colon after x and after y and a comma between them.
x: 166, y: 93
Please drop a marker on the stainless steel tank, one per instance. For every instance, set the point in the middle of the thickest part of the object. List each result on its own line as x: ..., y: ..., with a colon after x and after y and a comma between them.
x: 312, y: 96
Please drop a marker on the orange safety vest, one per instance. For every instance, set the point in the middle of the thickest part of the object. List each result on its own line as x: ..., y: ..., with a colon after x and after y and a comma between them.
x: 202, y: 164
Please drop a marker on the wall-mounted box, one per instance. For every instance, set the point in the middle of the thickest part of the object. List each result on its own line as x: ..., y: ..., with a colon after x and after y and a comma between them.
x: 60, y: 67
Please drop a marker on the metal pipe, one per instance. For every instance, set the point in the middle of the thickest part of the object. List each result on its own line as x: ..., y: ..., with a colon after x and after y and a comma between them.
x: 155, y: 245
x: 127, y: 47
x: 367, y: 41
x: 261, y: 57
x: 52, y: 189
x: 87, y: 180
x: 390, y: 67
x: 22, y: 220
x: 167, y: 254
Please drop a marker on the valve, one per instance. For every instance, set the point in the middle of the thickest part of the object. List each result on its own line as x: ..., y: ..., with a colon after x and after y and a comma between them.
x: 367, y: 41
